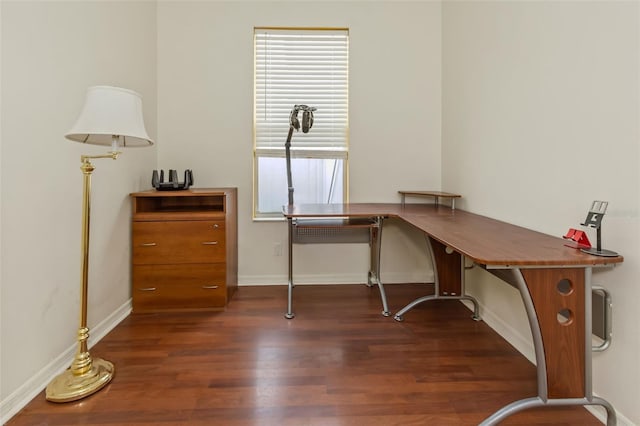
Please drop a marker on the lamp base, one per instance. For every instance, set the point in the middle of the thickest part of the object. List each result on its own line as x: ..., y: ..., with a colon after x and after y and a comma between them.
x: 68, y: 387
x: 603, y: 253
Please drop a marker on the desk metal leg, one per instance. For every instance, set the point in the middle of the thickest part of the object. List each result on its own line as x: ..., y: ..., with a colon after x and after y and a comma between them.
x: 375, y: 242
x: 562, y: 380
x: 448, y: 268
x: 536, y: 402
x: 289, y: 314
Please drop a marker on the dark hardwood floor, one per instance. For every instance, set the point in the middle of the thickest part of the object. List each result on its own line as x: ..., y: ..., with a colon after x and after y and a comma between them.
x: 339, y: 362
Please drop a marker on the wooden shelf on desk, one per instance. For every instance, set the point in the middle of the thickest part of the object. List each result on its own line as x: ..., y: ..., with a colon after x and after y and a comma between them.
x: 435, y: 194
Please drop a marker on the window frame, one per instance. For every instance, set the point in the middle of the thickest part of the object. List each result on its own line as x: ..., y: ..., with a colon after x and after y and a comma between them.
x: 297, y: 151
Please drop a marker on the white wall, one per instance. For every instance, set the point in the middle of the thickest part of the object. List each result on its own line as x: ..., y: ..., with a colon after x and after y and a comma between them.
x: 51, y: 52
x: 541, y: 116
x: 205, y: 99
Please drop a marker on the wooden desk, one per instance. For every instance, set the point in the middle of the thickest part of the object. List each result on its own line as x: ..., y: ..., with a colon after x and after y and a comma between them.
x: 554, y: 282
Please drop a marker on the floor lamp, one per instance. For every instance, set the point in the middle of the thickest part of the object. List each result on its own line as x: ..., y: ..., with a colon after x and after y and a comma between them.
x: 110, y: 116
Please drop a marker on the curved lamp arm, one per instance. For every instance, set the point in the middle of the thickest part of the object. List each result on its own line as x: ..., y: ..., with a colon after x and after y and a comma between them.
x: 294, y: 123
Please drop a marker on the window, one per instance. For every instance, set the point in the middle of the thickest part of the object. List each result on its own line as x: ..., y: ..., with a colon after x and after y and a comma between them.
x: 293, y: 67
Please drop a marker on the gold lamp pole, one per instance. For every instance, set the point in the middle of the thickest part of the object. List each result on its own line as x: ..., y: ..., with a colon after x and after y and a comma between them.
x: 110, y: 115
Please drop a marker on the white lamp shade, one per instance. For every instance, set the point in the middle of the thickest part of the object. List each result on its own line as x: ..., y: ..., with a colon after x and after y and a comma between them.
x: 107, y: 112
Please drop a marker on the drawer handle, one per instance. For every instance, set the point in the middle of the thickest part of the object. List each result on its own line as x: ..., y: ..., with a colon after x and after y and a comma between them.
x: 147, y: 289
x: 210, y: 287
x: 209, y: 243
x: 148, y: 244
x: 215, y: 225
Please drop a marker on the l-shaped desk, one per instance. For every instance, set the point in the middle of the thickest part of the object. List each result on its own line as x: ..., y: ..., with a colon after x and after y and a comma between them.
x: 554, y: 282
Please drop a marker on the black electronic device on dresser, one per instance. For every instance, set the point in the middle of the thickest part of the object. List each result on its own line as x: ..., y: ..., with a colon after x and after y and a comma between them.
x: 157, y: 180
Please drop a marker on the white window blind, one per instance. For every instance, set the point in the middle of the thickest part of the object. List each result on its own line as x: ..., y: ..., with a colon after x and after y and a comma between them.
x: 307, y: 67
x: 294, y: 67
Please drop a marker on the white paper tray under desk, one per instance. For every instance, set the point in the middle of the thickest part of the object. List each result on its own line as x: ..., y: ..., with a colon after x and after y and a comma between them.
x: 335, y: 231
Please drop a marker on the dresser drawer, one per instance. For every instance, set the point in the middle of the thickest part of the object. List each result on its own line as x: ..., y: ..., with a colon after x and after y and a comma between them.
x: 178, y: 287
x: 178, y: 242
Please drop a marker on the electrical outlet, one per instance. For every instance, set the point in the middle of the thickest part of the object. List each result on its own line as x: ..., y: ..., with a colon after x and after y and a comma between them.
x: 277, y: 249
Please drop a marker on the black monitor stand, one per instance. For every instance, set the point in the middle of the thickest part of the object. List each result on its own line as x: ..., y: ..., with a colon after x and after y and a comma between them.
x: 594, y: 220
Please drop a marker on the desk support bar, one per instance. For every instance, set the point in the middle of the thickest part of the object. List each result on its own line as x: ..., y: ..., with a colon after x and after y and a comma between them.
x: 448, y: 270
x: 535, y: 402
x: 605, y: 320
x: 534, y: 325
x: 289, y: 314
x: 375, y: 243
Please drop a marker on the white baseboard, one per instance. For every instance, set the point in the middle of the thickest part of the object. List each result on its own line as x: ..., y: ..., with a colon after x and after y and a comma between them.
x: 15, y: 402
x: 601, y: 414
x: 523, y: 344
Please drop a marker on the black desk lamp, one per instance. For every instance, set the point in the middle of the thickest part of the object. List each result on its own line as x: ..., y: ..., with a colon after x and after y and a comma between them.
x: 294, y: 123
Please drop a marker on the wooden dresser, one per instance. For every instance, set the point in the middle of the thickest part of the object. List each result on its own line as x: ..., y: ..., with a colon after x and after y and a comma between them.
x: 184, y: 249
